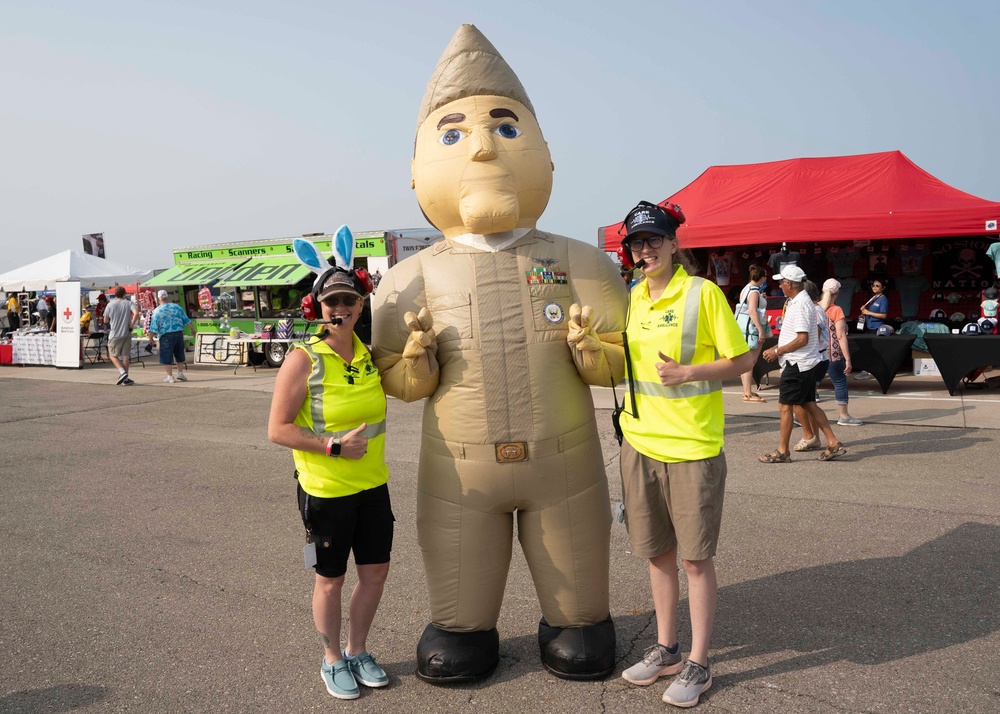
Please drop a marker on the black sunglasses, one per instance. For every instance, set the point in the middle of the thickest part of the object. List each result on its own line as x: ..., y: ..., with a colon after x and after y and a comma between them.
x: 345, y: 300
x: 635, y: 244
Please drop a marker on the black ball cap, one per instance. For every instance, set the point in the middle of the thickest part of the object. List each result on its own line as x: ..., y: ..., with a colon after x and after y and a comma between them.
x: 650, y: 218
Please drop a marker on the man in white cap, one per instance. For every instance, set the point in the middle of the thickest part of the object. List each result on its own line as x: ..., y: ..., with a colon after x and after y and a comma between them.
x: 797, y: 352
x: 168, y: 322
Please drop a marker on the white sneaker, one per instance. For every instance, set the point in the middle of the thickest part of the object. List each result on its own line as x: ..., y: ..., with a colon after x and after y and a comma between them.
x: 181, y: 377
x: 169, y: 379
x: 862, y: 375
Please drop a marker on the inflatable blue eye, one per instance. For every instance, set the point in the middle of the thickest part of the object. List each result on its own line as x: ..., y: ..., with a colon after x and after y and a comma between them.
x: 452, y: 136
x: 507, y: 131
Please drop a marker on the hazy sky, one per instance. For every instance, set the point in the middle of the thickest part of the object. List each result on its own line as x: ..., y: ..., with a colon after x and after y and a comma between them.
x: 171, y: 124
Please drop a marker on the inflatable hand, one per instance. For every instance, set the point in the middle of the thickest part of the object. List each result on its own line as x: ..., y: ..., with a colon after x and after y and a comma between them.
x: 421, y: 345
x: 581, y: 335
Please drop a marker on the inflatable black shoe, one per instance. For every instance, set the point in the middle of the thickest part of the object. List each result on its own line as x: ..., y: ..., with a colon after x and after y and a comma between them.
x: 455, y: 657
x: 578, y: 652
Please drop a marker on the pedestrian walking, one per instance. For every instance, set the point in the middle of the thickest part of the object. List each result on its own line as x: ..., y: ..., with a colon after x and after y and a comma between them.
x: 120, y: 316
x: 168, y: 322
x: 798, y: 355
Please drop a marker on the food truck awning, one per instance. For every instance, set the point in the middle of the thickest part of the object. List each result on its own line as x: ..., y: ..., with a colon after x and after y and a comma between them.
x: 267, y: 271
x: 193, y: 273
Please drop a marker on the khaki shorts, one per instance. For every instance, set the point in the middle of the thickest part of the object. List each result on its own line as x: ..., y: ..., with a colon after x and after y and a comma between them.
x: 121, y: 347
x: 673, y: 505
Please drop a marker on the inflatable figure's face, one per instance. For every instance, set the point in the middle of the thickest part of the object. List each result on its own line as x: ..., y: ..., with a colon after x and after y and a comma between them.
x: 480, y: 165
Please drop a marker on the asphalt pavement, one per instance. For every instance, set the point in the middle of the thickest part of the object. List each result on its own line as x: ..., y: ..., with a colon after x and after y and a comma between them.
x: 152, y: 562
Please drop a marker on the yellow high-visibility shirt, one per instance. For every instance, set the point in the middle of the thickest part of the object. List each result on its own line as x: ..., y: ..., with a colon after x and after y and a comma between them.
x: 339, y: 398
x: 692, y: 323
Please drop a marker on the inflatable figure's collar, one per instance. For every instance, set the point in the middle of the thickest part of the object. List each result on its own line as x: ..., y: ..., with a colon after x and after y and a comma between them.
x: 470, y: 67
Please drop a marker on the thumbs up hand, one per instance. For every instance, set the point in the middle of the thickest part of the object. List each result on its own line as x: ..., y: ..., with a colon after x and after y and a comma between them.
x: 671, y: 372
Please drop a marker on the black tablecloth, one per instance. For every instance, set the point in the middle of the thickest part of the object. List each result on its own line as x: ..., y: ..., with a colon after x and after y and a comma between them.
x: 957, y: 355
x: 879, y: 355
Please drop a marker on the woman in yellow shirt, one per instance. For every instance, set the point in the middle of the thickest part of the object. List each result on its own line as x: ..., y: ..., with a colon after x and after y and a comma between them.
x: 329, y: 408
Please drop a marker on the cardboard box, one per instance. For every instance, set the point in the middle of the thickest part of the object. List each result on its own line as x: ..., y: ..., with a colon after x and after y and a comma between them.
x: 923, y: 365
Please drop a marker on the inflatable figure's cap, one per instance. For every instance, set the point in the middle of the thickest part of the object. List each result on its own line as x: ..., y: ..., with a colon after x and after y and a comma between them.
x: 470, y: 67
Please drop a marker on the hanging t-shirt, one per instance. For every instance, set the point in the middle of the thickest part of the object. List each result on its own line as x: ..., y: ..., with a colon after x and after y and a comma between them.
x: 878, y: 264
x: 722, y: 267
x: 911, y: 260
x: 843, y: 263
x: 849, y: 287
x: 779, y: 260
x: 910, y: 288
x: 994, y: 252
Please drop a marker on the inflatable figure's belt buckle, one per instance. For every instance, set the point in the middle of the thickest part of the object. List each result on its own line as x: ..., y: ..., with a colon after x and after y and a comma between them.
x: 512, y: 451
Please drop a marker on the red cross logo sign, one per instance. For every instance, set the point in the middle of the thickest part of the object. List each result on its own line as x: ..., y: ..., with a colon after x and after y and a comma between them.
x: 67, y: 314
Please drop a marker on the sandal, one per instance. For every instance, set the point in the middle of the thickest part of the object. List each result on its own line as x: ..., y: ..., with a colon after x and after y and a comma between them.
x: 808, y: 444
x: 754, y: 397
x: 833, y: 452
x: 775, y: 457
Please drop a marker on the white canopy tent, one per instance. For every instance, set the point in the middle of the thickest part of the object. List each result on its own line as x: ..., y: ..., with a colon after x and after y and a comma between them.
x: 90, y: 271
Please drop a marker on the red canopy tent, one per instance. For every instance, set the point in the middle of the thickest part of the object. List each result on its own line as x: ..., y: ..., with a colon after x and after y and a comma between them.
x: 837, y: 198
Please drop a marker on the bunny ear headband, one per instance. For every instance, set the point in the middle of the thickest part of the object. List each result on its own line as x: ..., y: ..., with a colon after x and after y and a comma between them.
x: 343, y: 253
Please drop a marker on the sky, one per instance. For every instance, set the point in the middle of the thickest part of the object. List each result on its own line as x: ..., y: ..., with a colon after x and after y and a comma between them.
x: 175, y: 124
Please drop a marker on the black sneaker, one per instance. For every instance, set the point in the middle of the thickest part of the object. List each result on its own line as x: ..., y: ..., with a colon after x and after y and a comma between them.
x: 128, y: 381
x: 122, y: 378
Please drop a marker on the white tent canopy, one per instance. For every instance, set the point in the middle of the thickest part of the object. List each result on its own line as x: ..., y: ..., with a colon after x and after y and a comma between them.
x: 89, y: 270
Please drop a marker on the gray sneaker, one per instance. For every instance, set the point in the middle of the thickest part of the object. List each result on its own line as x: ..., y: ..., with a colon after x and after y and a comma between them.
x: 657, y: 661
x: 693, y: 681
x: 849, y: 421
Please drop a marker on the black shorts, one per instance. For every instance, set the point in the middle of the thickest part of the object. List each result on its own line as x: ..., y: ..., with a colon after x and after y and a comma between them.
x: 797, y: 388
x: 362, y: 522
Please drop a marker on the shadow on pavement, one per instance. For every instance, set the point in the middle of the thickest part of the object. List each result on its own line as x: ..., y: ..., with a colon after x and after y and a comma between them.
x: 918, y: 442
x: 941, y: 594
x: 61, y: 698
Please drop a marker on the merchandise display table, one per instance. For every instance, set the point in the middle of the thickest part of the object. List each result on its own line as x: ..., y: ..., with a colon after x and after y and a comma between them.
x: 881, y: 356
x: 957, y: 355
x: 34, y: 348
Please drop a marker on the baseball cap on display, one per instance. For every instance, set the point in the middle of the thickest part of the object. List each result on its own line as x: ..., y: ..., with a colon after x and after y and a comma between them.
x: 971, y: 329
x: 938, y: 296
x: 957, y: 317
x: 937, y: 314
x: 991, y: 293
x: 987, y: 325
x: 162, y: 294
x: 790, y: 272
x: 885, y: 330
x: 974, y: 316
x: 953, y: 298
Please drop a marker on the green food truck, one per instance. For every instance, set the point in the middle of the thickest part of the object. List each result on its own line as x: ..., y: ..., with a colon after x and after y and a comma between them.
x: 257, y: 286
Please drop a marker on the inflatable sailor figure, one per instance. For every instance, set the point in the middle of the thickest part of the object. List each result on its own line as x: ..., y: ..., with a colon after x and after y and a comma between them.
x: 488, y: 326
